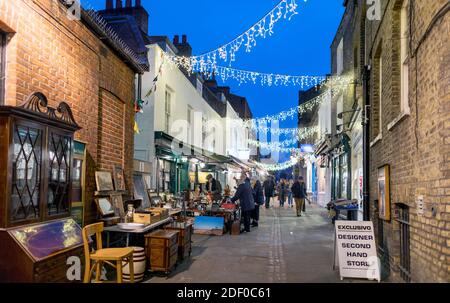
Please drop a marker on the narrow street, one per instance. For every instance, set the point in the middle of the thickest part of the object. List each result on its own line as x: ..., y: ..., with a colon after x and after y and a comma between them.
x: 283, y: 249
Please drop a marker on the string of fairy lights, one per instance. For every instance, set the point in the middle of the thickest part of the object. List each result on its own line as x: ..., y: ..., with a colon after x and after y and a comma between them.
x: 279, y: 166
x: 211, y: 65
x: 284, y: 10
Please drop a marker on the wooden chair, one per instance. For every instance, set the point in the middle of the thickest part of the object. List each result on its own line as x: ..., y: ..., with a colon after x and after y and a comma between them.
x: 104, y: 255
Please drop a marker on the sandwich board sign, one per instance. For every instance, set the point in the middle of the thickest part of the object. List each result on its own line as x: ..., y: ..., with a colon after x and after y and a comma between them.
x: 356, y: 250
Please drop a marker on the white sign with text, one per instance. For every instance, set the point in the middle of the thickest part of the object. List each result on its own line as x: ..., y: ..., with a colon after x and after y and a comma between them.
x: 356, y: 250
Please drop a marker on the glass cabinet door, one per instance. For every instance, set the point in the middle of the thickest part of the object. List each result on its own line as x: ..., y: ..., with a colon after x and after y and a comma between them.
x: 26, y: 178
x: 58, y: 194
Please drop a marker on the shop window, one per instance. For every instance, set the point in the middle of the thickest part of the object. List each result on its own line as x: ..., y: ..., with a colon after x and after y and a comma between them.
x: 2, y: 66
x: 405, y: 256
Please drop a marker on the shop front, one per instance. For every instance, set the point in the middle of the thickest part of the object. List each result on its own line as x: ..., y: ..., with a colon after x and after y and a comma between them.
x: 341, y: 170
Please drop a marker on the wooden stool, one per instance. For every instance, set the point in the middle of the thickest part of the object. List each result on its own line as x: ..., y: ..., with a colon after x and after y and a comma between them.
x: 104, y: 255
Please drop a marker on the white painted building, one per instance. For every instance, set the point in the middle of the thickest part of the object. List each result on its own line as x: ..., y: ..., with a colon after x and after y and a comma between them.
x: 182, y: 106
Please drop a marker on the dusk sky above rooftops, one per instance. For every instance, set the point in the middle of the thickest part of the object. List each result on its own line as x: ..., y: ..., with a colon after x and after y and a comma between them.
x: 298, y: 47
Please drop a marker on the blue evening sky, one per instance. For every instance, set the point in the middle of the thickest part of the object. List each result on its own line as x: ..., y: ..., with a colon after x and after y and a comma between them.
x: 298, y: 47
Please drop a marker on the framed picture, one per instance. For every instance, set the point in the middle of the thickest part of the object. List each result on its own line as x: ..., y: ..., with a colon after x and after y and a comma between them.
x: 119, y: 178
x: 140, y: 190
x: 104, y: 181
x: 117, y: 203
x: 384, y: 201
x: 104, y: 206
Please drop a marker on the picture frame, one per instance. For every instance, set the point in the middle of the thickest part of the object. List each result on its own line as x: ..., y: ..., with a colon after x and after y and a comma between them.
x: 104, y: 181
x: 384, y: 194
x: 140, y: 190
x: 119, y: 178
x: 105, y: 206
x: 117, y: 203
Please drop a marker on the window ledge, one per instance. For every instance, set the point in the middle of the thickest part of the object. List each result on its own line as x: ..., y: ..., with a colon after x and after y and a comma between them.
x: 397, y: 120
x: 376, y: 140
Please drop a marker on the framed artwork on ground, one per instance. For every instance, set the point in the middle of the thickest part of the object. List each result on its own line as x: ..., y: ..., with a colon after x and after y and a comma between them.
x: 384, y: 201
x: 104, y: 206
x: 119, y: 178
x: 104, y: 181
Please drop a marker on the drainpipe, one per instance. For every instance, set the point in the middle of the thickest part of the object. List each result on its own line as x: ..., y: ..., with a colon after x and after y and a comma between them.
x: 366, y: 143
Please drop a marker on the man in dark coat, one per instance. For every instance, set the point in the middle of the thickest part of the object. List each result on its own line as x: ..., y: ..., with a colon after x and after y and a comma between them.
x: 299, y: 193
x: 258, y: 197
x: 244, y: 194
x: 269, y: 188
x: 214, y: 187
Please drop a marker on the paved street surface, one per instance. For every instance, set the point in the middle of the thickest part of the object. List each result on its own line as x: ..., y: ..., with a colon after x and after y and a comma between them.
x: 284, y: 248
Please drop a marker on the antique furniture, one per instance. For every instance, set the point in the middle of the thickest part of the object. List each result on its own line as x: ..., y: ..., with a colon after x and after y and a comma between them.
x: 104, y: 255
x: 185, y: 230
x: 39, y: 252
x: 138, y: 232
x: 36, y: 155
x: 162, y: 250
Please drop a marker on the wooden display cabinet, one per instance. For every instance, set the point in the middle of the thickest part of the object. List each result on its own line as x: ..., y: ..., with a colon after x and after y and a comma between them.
x: 162, y: 250
x: 185, y: 231
x: 36, y: 154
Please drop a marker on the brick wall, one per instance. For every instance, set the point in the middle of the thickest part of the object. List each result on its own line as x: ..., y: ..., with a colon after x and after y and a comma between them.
x: 417, y: 148
x: 63, y: 59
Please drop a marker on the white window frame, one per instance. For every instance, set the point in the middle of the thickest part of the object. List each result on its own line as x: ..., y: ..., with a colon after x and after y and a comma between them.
x: 405, y: 110
x: 379, y: 137
x: 199, y: 87
x: 168, y: 98
x: 340, y: 58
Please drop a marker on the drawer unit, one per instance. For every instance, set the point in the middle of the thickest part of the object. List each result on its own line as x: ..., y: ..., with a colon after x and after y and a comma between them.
x: 162, y: 250
x: 184, y: 237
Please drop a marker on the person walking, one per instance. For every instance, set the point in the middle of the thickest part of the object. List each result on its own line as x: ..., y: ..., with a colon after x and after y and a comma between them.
x: 258, y: 197
x: 282, y: 192
x: 244, y: 194
x: 299, y: 193
x: 269, y: 189
x: 289, y: 190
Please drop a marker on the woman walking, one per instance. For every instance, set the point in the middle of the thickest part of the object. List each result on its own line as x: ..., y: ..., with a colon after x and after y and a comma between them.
x: 258, y: 197
x: 282, y: 192
x: 289, y: 190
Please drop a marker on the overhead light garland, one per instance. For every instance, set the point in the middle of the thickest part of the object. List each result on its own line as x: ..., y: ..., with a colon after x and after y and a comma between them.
x: 285, y: 9
x: 279, y: 166
x: 299, y: 133
x: 270, y: 145
x: 290, y: 113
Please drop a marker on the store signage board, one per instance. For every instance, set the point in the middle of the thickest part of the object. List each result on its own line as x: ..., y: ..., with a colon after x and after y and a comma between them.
x: 356, y: 250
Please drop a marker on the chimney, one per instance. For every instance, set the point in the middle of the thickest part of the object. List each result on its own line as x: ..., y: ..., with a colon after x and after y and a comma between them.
x: 118, y: 3
x: 184, y: 39
x: 128, y: 3
x: 138, y: 3
x: 109, y: 4
x: 176, y: 40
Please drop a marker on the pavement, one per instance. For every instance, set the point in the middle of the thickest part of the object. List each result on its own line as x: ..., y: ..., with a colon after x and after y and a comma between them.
x: 283, y: 249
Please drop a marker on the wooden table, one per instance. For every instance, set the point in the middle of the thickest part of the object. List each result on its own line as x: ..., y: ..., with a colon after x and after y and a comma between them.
x: 143, y: 230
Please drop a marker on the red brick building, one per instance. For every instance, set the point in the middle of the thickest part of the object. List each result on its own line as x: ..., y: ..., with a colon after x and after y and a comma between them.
x: 408, y: 51
x: 79, y: 62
